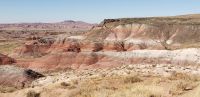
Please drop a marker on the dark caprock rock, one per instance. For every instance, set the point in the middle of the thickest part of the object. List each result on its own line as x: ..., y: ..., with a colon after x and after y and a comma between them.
x: 32, y: 74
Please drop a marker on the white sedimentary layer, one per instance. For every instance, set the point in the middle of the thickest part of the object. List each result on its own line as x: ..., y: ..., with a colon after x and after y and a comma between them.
x: 77, y: 37
x: 190, y: 54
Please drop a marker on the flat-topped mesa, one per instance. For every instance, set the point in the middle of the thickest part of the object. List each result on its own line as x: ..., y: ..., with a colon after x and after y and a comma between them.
x: 106, y: 21
x: 180, y: 20
x: 166, y: 31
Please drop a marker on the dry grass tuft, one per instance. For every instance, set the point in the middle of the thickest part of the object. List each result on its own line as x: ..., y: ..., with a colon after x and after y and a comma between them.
x: 8, y: 47
x: 67, y: 85
x: 183, y: 76
x: 132, y: 79
x: 7, y: 89
x: 182, y: 87
x: 64, y: 84
x: 178, y: 85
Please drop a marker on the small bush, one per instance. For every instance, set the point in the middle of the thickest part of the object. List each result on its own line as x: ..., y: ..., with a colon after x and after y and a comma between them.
x: 186, y: 86
x: 33, y: 94
x: 181, y: 87
x: 152, y: 95
x: 7, y: 89
x: 64, y: 84
x: 67, y: 85
x: 183, y: 76
x: 133, y: 79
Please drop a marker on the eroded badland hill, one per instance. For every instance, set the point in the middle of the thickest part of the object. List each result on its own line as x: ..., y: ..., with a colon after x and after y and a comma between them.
x: 127, y: 57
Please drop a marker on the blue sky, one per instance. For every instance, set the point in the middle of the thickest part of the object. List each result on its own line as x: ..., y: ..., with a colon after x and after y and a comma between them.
x: 93, y: 11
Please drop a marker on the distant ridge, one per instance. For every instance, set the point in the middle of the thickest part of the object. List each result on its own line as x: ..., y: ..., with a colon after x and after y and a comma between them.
x: 189, y: 16
x: 64, y: 25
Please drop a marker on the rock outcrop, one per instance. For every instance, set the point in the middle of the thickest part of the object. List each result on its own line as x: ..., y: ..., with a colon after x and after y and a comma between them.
x: 34, y: 48
x: 6, y: 60
x: 12, y: 76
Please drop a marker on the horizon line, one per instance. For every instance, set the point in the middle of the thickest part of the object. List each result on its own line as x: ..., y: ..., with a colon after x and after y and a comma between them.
x: 75, y: 20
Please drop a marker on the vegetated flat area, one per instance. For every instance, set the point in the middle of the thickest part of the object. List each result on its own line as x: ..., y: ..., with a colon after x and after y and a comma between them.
x: 116, y: 82
x: 8, y: 47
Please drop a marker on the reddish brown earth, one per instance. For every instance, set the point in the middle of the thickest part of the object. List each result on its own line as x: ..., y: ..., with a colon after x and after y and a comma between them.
x: 6, y: 60
x: 155, y: 44
x: 33, y: 48
x: 35, y: 40
x: 47, y: 47
x: 66, y: 60
x: 113, y: 35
